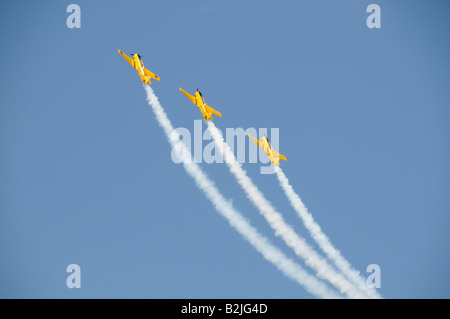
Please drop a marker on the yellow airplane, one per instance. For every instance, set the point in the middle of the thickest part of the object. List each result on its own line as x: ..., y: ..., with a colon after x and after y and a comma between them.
x: 137, y: 63
x: 274, y: 156
x: 199, y: 100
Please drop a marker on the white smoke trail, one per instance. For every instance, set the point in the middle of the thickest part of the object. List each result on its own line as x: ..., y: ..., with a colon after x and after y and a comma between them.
x: 236, y: 220
x: 320, y: 238
x: 276, y: 221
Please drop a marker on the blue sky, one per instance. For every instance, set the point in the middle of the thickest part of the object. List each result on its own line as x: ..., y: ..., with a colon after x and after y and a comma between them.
x: 86, y: 175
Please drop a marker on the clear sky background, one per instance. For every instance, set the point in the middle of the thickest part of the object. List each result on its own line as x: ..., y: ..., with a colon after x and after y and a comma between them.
x: 86, y: 175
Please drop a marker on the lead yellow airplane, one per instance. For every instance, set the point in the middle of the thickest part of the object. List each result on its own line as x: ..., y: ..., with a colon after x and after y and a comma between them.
x: 137, y: 63
x: 199, y: 100
x: 274, y: 156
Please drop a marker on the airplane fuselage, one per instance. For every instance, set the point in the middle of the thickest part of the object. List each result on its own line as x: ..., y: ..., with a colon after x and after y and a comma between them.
x: 137, y: 64
x: 200, y: 102
x: 267, y: 147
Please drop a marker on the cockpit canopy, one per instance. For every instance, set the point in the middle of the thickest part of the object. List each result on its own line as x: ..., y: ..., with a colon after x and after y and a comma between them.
x: 268, y: 142
x: 203, y: 99
x: 140, y: 59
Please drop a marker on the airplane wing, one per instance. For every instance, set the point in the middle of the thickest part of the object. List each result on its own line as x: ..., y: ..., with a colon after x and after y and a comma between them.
x: 211, y: 110
x: 256, y: 141
x: 126, y: 57
x: 151, y: 74
x: 190, y: 97
x: 276, y: 154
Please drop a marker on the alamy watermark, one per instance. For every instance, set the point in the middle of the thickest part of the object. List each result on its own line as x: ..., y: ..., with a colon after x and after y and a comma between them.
x: 74, y: 279
x: 374, y: 19
x: 203, y: 149
x: 74, y: 19
x: 374, y: 279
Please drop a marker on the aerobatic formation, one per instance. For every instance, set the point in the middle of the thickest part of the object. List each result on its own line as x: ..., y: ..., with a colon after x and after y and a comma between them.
x: 198, y: 99
x: 345, y: 279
